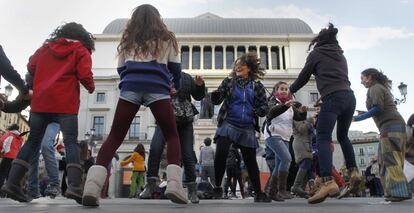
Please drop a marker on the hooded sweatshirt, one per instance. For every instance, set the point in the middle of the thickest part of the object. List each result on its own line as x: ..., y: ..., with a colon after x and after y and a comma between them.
x: 58, y: 67
x: 328, y: 64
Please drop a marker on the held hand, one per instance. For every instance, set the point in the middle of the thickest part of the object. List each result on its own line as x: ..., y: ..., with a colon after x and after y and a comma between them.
x: 27, y: 96
x: 303, y: 109
x: 173, y: 91
x: 289, y: 103
x: 199, y: 80
x: 290, y: 95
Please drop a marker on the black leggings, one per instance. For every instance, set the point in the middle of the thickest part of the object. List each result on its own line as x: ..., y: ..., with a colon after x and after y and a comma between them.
x: 249, y: 157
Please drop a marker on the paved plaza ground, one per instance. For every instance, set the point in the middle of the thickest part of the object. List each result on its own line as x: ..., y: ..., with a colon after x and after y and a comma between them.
x: 349, y: 205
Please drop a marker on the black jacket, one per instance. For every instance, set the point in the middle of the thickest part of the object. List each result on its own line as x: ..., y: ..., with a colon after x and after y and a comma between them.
x: 10, y: 74
x: 328, y: 64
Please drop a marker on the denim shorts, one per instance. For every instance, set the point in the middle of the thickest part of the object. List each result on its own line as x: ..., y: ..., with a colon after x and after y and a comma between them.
x: 142, y: 98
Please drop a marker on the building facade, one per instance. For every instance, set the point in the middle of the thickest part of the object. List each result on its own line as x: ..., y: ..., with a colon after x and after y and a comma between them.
x: 365, y: 148
x: 208, y: 46
x: 7, y: 119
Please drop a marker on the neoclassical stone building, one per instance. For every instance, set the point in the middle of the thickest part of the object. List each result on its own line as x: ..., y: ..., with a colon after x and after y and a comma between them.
x: 208, y: 46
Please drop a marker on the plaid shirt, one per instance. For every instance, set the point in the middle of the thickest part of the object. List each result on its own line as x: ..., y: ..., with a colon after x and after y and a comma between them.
x: 224, y: 92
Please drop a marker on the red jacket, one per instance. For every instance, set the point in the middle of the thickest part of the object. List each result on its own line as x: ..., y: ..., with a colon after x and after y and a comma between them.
x: 58, y: 67
x: 10, y: 144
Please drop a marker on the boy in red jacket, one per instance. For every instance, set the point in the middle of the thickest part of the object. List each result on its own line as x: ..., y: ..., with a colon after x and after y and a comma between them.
x: 10, y: 144
x: 57, y: 68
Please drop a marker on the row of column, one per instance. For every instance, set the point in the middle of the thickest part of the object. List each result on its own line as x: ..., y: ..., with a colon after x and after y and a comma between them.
x: 282, y: 51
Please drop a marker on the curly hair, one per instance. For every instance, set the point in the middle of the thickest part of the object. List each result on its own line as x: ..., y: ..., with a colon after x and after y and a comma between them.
x: 326, y: 35
x: 378, y: 76
x: 145, y: 33
x: 73, y: 31
x: 251, y: 60
x: 140, y: 149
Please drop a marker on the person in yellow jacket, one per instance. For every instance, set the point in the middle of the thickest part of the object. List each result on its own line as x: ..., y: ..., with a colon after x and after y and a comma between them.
x: 138, y: 173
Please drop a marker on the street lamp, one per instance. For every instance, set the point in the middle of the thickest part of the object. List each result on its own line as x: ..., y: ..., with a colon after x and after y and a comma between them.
x: 403, y: 90
x: 8, y: 90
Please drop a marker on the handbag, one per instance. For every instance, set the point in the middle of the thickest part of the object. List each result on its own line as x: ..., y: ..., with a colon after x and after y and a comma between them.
x: 184, y: 110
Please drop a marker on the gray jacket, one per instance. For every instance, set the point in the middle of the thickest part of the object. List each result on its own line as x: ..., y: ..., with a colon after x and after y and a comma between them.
x: 302, y: 140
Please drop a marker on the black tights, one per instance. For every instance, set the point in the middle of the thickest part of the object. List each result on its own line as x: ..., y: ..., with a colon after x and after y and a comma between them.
x: 249, y: 157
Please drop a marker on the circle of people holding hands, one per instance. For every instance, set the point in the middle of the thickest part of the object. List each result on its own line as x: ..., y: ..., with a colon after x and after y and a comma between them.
x: 150, y: 72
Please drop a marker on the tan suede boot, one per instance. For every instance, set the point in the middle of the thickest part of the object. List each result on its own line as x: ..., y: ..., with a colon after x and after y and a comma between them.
x: 328, y: 188
x: 354, y: 180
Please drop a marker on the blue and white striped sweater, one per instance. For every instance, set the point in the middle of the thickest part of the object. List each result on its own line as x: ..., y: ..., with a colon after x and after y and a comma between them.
x: 149, y: 76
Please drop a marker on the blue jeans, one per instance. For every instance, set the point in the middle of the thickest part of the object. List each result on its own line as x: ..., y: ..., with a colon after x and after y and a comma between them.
x: 186, y: 134
x: 38, y: 124
x: 337, y: 107
x: 282, y: 156
x: 51, y: 164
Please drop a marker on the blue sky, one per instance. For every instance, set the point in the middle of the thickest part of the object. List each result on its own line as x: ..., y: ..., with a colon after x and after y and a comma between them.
x: 373, y: 33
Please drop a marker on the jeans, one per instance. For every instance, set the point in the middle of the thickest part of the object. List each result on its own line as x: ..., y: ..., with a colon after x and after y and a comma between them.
x: 186, y: 135
x: 38, y: 125
x: 5, y: 166
x: 48, y: 153
x: 282, y: 156
x: 337, y: 107
x: 206, y: 172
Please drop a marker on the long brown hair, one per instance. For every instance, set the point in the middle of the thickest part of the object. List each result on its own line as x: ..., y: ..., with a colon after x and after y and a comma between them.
x: 145, y: 33
x: 140, y: 149
x: 378, y: 76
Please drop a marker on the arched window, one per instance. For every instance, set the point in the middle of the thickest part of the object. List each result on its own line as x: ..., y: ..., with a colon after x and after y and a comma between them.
x: 274, y: 51
x: 196, y: 58
x: 185, y: 57
x: 264, y: 57
x: 252, y: 49
x: 207, y: 58
x: 240, y: 51
x: 229, y: 57
x: 218, y: 57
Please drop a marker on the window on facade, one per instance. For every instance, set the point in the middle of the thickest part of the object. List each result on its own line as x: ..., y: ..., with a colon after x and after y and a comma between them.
x: 370, y: 150
x: 196, y: 58
x: 252, y: 49
x: 98, y: 125
x: 240, y: 51
x: 264, y: 57
x: 229, y: 57
x: 361, y: 151
x: 185, y: 57
x: 362, y: 161
x: 134, y: 128
x: 207, y: 58
x: 275, y: 58
x: 100, y: 97
x: 314, y: 96
x: 218, y: 51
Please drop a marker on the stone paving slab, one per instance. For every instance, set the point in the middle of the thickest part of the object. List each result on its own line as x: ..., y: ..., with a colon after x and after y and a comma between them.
x: 347, y: 205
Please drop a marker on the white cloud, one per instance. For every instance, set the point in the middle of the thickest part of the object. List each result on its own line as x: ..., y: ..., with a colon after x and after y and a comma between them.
x: 352, y: 37
x: 311, y: 17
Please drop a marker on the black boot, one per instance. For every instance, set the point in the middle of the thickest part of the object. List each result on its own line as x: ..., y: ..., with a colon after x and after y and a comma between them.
x: 283, y: 185
x: 192, y: 192
x: 261, y: 197
x: 149, y: 188
x: 297, y: 187
x: 217, y: 193
x: 12, y: 187
x: 273, y: 189
x: 75, y: 189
